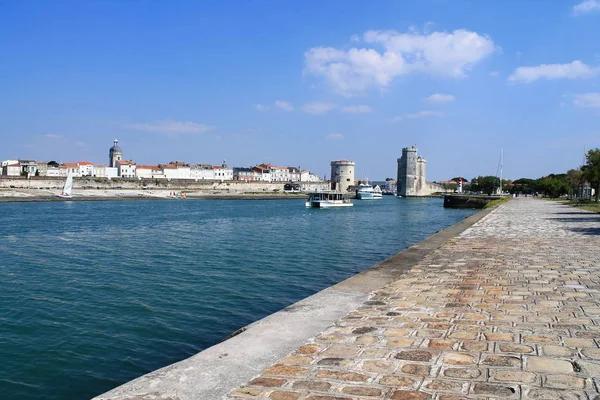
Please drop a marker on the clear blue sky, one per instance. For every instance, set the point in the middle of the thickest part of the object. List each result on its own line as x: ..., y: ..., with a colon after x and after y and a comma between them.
x: 304, y: 83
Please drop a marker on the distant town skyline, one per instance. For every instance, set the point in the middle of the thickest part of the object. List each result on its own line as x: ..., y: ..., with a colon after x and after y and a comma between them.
x: 304, y: 83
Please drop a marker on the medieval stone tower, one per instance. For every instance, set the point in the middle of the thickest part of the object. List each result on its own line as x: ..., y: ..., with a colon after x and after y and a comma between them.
x: 342, y: 175
x: 411, y: 173
x: 115, y: 154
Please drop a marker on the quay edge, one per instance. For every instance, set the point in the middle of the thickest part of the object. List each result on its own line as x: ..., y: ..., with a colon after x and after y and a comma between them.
x: 214, y: 372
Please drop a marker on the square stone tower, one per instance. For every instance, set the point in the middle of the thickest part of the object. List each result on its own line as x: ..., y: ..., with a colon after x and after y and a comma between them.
x: 407, y: 172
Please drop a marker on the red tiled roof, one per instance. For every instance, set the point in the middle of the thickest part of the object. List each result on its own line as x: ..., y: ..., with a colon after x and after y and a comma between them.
x: 84, y: 163
x: 70, y: 165
x: 125, y: 162
x: 152, y: 167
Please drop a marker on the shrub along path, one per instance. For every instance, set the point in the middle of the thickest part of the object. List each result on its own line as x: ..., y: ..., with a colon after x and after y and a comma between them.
x: 508, y: 309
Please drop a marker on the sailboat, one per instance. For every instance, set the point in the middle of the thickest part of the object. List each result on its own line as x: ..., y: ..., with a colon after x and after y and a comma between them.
x: 66, y: 193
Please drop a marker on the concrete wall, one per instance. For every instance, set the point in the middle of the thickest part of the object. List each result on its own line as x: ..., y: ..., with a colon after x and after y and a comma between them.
x: 103, y: 183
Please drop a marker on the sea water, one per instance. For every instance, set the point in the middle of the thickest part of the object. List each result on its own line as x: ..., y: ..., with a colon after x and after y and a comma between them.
x: 94, y: 294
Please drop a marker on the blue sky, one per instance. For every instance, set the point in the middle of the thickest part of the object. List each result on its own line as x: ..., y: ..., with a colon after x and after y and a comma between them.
x: 304, y: 82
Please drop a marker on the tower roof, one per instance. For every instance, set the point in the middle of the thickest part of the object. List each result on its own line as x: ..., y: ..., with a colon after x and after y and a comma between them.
x: 116, y: 148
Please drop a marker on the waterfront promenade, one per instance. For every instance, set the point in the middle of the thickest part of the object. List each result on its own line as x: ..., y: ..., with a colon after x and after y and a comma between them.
x: 510, y: 308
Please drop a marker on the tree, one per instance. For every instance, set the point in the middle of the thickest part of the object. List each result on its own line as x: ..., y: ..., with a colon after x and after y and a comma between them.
x: 53, y: 164
x: 591, y: 170
x: 486, y: 184
x: 553, y: 185
x: 574, y: 180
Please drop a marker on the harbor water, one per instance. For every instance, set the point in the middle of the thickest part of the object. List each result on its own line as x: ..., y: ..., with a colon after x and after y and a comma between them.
x: 94, y: 294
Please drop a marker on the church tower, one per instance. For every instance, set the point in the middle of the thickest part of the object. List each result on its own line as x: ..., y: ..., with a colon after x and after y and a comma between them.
x: 115, y: 154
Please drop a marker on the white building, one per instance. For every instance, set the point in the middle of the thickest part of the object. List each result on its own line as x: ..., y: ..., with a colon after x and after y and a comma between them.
x: 126, y: 168
x: 28, y: 167
x: 102, y: 171
x: 86, y: 168
x: 149, y: 172
x: 202, y: 172
x: 73, y: 168
x: 52, y: 172
x: 223, y: 173
x: 11, y: 168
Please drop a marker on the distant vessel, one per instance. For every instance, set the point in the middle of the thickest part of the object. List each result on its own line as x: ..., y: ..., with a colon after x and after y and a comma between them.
x: 368, y: 192
x: 327, y: 200
x: 68, y: 188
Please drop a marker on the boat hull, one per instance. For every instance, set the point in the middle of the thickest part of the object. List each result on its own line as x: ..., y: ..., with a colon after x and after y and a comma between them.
x: 369, y: 196
x: 65, y: 196
x: 324, y: 204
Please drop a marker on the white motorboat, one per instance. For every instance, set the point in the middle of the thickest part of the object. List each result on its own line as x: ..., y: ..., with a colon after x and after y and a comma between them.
x: 328, y: 200
x: 368, y: 192
x: 68, y: 188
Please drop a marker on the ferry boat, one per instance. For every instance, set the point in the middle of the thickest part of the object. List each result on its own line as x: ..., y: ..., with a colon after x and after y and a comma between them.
x: 368, y: 192
x: 327, y: 200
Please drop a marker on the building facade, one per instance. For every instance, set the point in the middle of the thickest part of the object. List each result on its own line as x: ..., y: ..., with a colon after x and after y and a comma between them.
x: 342, y: 175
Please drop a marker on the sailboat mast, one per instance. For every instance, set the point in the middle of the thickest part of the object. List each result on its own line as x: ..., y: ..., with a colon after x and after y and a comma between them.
x: 501, y: 165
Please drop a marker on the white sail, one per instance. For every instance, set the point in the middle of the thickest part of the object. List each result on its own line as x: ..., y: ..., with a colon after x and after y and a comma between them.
x: 68, y: 185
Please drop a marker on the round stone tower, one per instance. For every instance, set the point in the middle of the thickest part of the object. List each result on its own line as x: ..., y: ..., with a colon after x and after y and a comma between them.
x: 342, y: 175
x: 115, y: 154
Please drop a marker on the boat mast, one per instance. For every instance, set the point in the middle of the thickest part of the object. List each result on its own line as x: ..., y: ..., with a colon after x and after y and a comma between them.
x: 501, y: 165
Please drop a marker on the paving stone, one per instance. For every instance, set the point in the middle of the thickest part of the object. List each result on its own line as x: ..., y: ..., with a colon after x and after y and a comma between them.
x: 515, y: 348
x: 458, y: 359
x: 312, y: 385
x: 286, y: 370
x: 499, y: 337
x: 475, y: 346
x: 335, y: 361
x: 441, y: 344
x: 444, y: 385
x: 409, y: 395
x: 579, y: 342
x: 416, y: 369
x: 378, y: 366
x: 548, y: 365
x: 308, y: 349
x: 564, y: 382
x: 245, y: 392
x: 556, y: 351
x: 362, y: 391
x: 398, y: 381
x: 513, y: 376
x: 415, y: 355
x: 268, y: 382
x: 399, y: 342
x: 489, y: 389
x: 342, y: 375
x: 502, y: 361
x: 463, y: 373
x: 280, y: 395
x: 552, y: 394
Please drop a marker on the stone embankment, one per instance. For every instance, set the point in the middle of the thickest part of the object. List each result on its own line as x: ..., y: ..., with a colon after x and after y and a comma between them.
x: 509, y: 308
x: 162, y: 184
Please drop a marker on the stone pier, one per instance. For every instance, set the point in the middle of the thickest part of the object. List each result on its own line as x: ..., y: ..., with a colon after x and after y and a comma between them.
x: 507, y: 308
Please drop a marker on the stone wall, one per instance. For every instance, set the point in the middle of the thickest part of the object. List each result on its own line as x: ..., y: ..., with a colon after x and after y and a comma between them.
x: 103, y: 183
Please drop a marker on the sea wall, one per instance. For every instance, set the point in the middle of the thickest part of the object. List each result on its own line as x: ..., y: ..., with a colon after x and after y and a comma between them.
x: 174, y: 184
x: 467, y: 201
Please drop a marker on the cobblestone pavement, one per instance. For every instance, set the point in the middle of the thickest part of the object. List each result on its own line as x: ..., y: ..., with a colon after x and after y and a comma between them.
x: 509, y: 309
